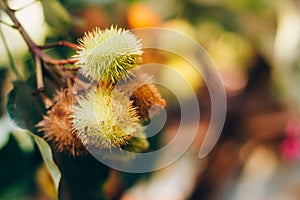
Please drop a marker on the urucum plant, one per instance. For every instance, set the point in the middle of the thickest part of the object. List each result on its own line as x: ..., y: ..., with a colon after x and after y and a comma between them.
x: 105, y: 114
x: 94, y: 99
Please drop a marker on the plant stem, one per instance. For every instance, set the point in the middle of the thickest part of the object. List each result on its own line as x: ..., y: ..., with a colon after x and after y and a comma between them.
x: 10, y: 58
x: 40, y: 82
x: 39, y: 56
x: 7, y: 24
x: 26, y: 6
x: 34, y: 49
x: 39, y: 73
x: 60, y: 44
x: 11, y: 13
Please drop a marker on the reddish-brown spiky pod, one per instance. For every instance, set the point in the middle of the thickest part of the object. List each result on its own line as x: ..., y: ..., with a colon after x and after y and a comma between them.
x: 57, y: 125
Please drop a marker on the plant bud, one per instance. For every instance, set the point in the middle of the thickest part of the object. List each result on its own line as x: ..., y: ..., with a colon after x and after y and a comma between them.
x: 105, y: 118
x: 108, y: 55
x: 57, y: 125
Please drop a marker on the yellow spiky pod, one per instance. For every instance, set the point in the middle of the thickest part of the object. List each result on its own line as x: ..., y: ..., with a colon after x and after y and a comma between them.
x: 105, y: 118
x: 108, y: 55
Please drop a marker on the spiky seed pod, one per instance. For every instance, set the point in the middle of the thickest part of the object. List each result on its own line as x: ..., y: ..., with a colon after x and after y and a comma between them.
x: 105, y: 118
x: 108, y: 55
x: 144, y: 98
x: 144, y: 95
x: 57, y: 125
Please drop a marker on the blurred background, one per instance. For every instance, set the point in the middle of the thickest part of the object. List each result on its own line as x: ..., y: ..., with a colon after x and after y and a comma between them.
x: 255, y: 46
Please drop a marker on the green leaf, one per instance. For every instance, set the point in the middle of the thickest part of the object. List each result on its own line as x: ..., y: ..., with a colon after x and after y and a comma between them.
x: 24, y: 107
x: 18, y: 171
x: 56, y: 16
x: 46, y: 153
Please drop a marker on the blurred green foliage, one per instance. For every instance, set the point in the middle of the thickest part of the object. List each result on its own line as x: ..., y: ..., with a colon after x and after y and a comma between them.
x: 17, y: 174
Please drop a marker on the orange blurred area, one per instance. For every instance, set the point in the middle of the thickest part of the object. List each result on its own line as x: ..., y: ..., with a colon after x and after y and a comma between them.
x: 141, y: 15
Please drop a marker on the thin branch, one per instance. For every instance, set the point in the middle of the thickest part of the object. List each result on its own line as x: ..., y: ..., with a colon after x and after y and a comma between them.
x: 7, y: 24
x: 39, y: 73
x: 10, y: 58
x: 11, y: 13
x: 53, y: 61
x: 26, y: 6
x: 42, y: 57
x: 40, y: 82
x: 61, y: 44
x: 47, y: 101
x: 34, y: 49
